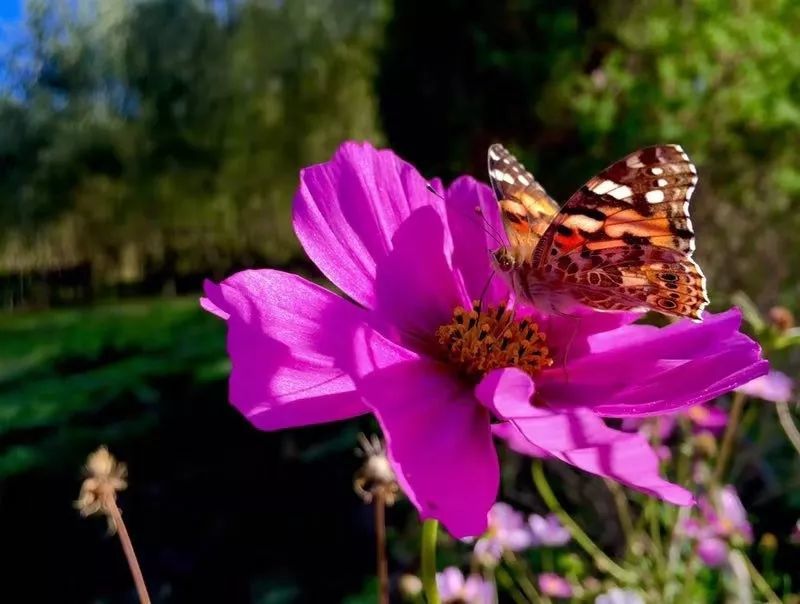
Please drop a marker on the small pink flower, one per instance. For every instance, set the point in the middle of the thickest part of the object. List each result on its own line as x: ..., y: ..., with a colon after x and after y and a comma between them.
x: 507, y: 532
x: 775, y: 387
x: 548, y: 531
x: 712, y: 551
x: 555, y: 586
x: 454, y: 589
x: 405, y: 344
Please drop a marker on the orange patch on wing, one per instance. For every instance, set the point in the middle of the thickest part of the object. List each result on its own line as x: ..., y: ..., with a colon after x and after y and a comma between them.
x: 604, y: 245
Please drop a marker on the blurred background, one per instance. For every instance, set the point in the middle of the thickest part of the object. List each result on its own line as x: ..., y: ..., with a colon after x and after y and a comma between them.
x: 148, y: 144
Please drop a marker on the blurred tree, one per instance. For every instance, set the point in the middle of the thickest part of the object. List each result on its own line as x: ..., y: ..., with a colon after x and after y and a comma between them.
x: 573, y: 86
x: 166, y: 135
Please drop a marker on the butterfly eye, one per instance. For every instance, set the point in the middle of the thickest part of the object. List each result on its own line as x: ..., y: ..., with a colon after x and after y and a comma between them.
x: 503, y: 260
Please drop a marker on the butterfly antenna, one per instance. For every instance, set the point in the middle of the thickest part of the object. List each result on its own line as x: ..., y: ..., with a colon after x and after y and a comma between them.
x: 484, y: 224
x: 576, y: 325
x: 485, y: 288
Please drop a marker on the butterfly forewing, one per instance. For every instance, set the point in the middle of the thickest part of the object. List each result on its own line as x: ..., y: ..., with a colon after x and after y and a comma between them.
x: 525, y: 207
x: 624, y: 241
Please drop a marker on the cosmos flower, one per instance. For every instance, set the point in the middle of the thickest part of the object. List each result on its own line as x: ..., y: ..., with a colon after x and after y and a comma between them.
x: 775, y: 387
x: 455, y: 589
x: 407, y: 342
x: 726, y: 516
x: 507, y: 532
x: 548, y: 530
x: 555, y: 586
x: 713, y: 551
x: 702, y: 417
x: 722, y: 522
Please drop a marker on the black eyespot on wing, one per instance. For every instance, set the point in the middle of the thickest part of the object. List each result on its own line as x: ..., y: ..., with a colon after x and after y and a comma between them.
x: 564, y: 230
x: 634, y: 239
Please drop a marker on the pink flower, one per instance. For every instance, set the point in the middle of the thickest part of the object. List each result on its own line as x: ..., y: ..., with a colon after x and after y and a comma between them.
x: 507, y: 532
x: 712, y: 551
x: 555, y: 586
x: 405, y: 344
x: 548, y: 530
x: 703, y: 417
x: 775, y: 387
x: 726, y: 515
x: 454, y: 589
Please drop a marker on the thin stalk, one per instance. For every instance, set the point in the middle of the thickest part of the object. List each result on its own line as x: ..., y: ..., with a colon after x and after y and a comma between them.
x: 760, y: 582
x: 380, y: 548
x: 602, y: 561
x: 787, y: 423
x: 428, y: 560
x: 504, y: 579
x: 739, y: 400
x: 623, y: 510
x: 525, y: 583
x: 127, y: 547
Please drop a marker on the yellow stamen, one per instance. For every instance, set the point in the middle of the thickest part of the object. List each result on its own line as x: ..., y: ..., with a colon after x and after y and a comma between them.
x: 477, y: 341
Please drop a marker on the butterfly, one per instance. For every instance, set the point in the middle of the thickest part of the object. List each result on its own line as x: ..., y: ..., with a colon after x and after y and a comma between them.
x: 622, y: 242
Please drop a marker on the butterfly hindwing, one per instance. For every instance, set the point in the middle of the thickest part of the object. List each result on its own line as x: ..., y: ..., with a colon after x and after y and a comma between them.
x: 624, y: 241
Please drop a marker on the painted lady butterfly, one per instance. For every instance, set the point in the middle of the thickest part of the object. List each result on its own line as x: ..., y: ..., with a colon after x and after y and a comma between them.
x: 624, y: 241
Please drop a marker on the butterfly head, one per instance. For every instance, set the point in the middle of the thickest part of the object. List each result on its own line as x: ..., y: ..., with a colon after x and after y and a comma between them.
x: 504, y: 260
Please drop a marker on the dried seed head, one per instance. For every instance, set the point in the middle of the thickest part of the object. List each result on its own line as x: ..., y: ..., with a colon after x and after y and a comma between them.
x: 375, y: 476
x: 782, y: 318
x: 104, y: 477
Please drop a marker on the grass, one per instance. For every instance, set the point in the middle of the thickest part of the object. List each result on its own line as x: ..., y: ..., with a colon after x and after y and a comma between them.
x: 69, y: 378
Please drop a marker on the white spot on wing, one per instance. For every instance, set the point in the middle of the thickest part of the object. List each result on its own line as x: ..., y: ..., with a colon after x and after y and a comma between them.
x: 689, y: 193
x: 657, y: 171
x: 493, y: 154
x: 662, y: 182
x: 604, y: 187
x: 584, y: 223
x: 525, y: 182
x: 692, y: 169
x: 654, y: 196
x: 622, y: 192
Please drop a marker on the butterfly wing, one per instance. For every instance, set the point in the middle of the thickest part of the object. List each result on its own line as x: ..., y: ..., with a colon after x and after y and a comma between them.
x: 624, y: 241
x: 525, y: 207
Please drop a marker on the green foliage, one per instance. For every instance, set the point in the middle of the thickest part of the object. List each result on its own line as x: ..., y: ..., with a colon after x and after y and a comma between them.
x: 160, y: 129
x: 63, y: 373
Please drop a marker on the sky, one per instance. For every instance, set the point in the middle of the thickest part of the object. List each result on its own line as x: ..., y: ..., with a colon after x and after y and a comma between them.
x: 10, y: 10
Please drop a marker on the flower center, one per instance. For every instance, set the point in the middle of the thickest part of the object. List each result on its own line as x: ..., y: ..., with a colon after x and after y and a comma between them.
x: 477, y: 341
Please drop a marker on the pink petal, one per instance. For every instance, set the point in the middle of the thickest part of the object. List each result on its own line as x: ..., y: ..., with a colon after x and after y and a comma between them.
x: 474, y: 221
x: 439, y: 441
x: 643, y: 370
x: 289, y: 341
x: 347, y: 211
x: 416, y: 288
x: 578, y: 437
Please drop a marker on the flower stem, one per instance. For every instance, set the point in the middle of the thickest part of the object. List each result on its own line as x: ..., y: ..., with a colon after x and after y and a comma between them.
x: 602, y: 561
x: 127, y: 547
x: 760, y: 582
x: 380, y: 548
x: 505, y: 580
x: 730, y: 435
x: 785, y: 417
x: 623, y: 510
x: 525, y: 583
x: 429, y: 529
